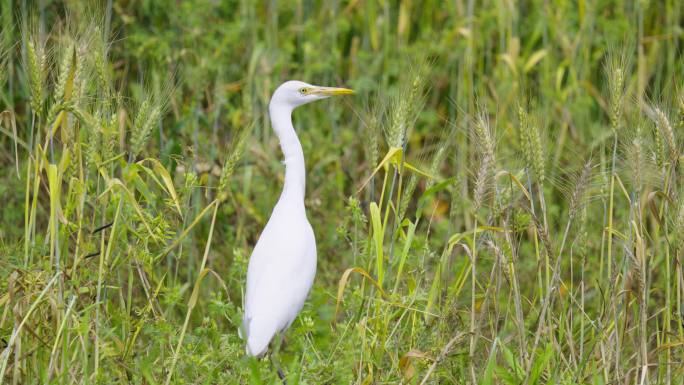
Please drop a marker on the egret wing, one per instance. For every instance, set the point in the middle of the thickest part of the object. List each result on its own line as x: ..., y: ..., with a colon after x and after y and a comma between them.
x: 280, y: 274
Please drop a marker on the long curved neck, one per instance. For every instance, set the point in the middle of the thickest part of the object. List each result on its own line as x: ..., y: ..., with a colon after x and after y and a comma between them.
x: 295, y: 176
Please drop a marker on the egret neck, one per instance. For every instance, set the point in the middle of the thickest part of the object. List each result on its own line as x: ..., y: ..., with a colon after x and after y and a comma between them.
x: 295, y: 177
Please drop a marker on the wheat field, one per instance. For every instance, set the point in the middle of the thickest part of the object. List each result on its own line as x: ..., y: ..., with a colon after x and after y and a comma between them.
x: 501, y: 202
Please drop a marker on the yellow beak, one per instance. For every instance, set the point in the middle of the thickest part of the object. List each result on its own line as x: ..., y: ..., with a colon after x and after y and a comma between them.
x: 331, y: 91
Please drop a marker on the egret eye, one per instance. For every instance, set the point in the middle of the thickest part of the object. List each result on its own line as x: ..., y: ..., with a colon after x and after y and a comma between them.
x: 304, y: 90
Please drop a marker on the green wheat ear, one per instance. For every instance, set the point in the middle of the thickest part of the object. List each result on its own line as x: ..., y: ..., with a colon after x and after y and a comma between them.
x: 66, y: 66
x: 537, y: 152
x: 110, y: 136
x: 616, y: 71
x: 372, y: 133
x: 580, y: 188
x: 93, y: 145
x: 100, y: 61
x: 531, y: 143
x: 236, y: 153
x: 149, y: 114
x: 665, y: 128
x: 616, y: 83
x: 142, y: 127
x: 35, y: 57
x: 484, y: 141
x: 405, y: 107
x: 523, y: 136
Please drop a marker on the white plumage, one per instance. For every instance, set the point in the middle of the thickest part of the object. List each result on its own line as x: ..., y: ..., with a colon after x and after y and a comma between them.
x: 283, y: 263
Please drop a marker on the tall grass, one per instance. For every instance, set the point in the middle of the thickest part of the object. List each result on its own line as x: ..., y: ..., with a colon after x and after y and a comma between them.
x: 502, y: 204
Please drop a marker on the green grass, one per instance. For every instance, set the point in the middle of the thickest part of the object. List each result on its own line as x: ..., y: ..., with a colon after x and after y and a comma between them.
x: 500, y: 203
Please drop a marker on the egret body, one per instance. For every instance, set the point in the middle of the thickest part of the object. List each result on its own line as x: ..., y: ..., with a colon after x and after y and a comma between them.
x: 283, y: 263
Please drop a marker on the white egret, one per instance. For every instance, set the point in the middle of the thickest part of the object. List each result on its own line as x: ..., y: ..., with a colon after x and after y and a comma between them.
x: 283, y: 264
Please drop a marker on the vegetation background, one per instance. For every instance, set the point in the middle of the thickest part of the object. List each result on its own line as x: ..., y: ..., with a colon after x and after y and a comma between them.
x: 500, y: 203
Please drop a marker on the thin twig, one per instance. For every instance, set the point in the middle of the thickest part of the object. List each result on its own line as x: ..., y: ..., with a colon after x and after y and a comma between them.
x: 445, y: 351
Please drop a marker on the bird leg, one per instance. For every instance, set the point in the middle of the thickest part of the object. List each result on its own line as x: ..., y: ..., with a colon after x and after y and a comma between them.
x: 275, y: 358
x: 281, y: 375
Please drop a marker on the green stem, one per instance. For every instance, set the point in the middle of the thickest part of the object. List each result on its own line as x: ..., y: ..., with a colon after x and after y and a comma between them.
x: 193, y: 298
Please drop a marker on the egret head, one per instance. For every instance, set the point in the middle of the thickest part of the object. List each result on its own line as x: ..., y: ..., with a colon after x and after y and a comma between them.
x: 294, y: 93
